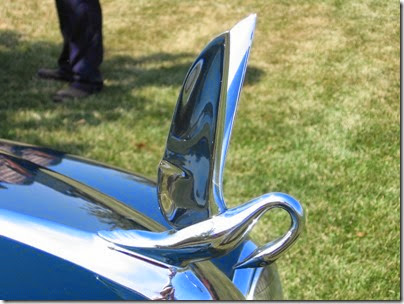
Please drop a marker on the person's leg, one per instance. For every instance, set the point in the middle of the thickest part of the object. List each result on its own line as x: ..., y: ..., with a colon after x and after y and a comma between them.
x: 64, y: 70
x: 81, y: 26
x: 85, y: 45
x: 64, y: 12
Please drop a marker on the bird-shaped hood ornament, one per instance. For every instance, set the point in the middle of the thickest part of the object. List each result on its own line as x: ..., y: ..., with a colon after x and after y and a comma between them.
x: 190, y: 174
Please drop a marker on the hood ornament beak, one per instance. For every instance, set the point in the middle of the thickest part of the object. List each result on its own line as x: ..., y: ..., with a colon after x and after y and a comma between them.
x: 191, y: 172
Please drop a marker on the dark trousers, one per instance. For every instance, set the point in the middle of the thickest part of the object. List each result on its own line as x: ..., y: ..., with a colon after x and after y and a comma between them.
x: 82, y: 54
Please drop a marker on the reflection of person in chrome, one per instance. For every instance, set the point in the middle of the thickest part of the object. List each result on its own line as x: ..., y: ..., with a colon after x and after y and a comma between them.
x: 40, y: 157
x: 12, y: 173
x: 35, y: 155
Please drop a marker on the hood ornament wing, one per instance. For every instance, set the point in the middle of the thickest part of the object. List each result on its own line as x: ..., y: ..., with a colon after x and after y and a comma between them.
x: 191, y: 171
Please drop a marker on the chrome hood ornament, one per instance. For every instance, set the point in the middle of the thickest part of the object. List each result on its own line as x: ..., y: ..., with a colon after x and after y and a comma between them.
x: 216, y: 236
x: 191, y: 172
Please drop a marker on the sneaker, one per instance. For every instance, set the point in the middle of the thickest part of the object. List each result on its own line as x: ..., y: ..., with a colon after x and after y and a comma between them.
x: 70, y: 93
x: 55, y: 74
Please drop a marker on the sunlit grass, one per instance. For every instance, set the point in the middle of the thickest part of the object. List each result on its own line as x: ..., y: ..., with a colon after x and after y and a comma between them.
x: 318, y: 118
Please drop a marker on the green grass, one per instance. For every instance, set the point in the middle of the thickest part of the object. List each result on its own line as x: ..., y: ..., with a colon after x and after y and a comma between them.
x: 318, y: 118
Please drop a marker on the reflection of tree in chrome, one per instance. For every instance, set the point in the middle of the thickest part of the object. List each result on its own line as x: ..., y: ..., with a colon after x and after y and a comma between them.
x: 111, y: 218
x: 93, y: 205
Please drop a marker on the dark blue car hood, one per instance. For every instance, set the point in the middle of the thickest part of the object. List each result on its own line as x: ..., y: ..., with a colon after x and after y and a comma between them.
x: 74, y: 191
x: 81, y: 195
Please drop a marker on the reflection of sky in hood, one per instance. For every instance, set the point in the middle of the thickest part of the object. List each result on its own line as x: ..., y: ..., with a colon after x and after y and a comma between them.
x: 48, y: 198
x: 135, y: 191
x: 33, y: 190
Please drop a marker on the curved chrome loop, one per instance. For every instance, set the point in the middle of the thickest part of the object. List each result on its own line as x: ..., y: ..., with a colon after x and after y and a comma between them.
x: 270, y: 252
x: 216, y: 236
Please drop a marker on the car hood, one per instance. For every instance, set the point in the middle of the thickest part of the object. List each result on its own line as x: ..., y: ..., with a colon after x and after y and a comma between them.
x: 74, y: 191
x: 49, y: 199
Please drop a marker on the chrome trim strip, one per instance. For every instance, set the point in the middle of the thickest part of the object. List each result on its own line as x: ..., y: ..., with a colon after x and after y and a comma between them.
x: 254, y: 282
x: 240, y: 41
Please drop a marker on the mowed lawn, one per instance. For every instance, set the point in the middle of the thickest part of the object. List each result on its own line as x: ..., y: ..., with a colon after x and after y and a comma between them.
x: 318, y: 118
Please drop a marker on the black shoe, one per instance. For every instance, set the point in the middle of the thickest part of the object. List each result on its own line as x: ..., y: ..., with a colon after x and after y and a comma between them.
x: 70, y: 93
x: 55, y: 74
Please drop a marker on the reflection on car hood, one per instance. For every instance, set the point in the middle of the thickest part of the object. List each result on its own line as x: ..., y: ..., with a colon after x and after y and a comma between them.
x: 51, y: 185
x: 61, y: 190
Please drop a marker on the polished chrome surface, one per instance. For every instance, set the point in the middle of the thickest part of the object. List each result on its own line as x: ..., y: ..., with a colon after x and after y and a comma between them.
x: 150, y: 278
x: 261, y: 283
x: 216, y: 236
x: 270, y: 252
x: 191, y: 172
x: 265, y: 284
x: 243, y: 278
x: 78, y: 210
x: 59, y: 215
x: 65, y: 204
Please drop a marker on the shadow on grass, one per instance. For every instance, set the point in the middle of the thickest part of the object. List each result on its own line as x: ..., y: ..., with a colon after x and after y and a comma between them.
x: 23, y: 95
